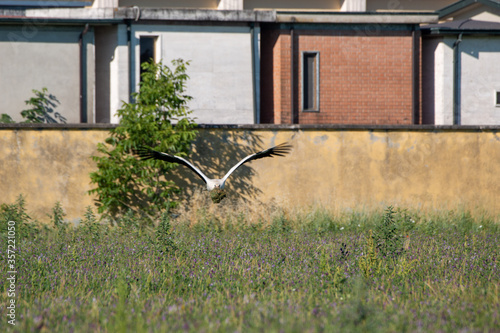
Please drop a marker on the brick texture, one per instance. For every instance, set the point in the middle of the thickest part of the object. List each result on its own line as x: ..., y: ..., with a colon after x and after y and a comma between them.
x: 364, y: 79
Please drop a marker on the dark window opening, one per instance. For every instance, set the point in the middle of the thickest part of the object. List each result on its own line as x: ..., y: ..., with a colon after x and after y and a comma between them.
x: 310, y: 81
x: 147, y: 49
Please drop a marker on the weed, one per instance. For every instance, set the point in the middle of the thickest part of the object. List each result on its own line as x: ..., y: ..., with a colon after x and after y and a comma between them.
x: 387, y: 240
x: 26, y: 228
x: 280, y: 224
x: 370, y: 263
x: 164, y: 235
x: 57, y: 216
x: 344, y: 252
x: 90, y: 224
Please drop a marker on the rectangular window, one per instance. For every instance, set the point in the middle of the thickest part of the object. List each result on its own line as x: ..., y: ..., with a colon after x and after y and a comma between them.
x: 310, y: 81
x: 497, y: 98
x: 147, y: 49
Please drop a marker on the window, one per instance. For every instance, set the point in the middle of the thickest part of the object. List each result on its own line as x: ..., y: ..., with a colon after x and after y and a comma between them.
x: 310, y: 81
x: 147, y: 49
x: 497, y: 98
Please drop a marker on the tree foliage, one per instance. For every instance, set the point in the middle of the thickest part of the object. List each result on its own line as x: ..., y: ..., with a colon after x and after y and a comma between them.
x: 158, y: 118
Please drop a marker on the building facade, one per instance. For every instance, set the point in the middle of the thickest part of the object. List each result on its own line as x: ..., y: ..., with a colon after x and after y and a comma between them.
x: 461, y: 57
x: 255, y: 61
x: 341, y: 73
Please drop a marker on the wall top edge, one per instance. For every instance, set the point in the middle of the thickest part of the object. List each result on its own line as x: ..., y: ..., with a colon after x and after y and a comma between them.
x: 25, y: 126
x: 344, y: 127
x: 271, y: 127
x: 139, y: 14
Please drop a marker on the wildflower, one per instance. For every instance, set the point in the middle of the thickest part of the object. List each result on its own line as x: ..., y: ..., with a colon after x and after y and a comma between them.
x: 342, y: 228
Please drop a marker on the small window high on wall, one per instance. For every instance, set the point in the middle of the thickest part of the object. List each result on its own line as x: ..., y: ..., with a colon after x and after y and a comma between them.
x: 147, y: 49
x: 310, y: 81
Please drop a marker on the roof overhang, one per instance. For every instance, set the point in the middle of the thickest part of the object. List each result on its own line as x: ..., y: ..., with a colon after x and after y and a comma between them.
x: 206, y: 15
x: 138, y: 14
x: 44, y: 4
x: 467, y: 27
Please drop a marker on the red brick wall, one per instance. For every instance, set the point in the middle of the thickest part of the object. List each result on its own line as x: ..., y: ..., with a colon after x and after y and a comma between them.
x: 363, y: 79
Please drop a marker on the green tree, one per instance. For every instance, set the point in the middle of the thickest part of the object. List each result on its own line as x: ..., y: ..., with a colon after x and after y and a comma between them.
x: 158, y: 118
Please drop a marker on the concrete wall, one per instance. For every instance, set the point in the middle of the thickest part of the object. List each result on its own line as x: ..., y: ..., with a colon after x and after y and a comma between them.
x: 35, y: 55
x: 406, y: 5
x: 478, y: 80
x: 339, y: 168
x: 292, y: 4
x: 208, y: 4
x: 353, y: 6
x: 220, y: 70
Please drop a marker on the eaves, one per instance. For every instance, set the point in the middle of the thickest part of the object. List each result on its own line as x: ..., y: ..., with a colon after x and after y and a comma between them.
x: 135, y: 14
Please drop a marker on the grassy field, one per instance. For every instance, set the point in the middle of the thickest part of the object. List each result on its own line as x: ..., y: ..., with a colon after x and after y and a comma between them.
x: 392, y: 271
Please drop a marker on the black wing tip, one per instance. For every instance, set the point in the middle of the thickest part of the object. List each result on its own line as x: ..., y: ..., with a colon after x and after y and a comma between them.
x: 145, y: 153
x: 282, y: 149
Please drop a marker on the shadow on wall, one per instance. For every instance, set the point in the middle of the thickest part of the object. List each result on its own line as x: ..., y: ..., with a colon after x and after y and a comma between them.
x: 214, y: 153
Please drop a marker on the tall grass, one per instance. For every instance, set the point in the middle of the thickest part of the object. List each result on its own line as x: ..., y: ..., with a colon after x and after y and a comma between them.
x: 221, y: 268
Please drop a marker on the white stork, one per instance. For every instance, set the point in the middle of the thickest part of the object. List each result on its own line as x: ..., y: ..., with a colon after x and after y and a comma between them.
x: 146, y: 153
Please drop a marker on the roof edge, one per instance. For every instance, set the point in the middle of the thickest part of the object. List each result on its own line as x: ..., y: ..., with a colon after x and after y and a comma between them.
x: 211, y: 15
x: 459, y: 5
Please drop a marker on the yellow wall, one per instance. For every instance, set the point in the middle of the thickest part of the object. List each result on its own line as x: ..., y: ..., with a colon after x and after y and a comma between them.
x: 338, y: 169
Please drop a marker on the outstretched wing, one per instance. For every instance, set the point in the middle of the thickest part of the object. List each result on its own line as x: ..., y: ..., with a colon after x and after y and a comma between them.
x: 146, y: 153
x: 280, y: 150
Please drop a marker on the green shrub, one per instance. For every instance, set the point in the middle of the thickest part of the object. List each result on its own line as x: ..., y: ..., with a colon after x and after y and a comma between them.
x: 164, y: 235
x: 388, y: 241
x: 158, y: 117
x: 25, y: 226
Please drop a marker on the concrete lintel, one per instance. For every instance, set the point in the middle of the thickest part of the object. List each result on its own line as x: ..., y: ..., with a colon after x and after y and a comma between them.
x: 357, y: 18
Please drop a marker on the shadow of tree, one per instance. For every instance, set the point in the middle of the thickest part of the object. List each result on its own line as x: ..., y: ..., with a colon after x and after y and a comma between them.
x: 215, y: 151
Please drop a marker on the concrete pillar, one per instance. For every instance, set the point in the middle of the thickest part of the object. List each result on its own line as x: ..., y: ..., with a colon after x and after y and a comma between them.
x: 105, y: 4
x: 119, y: 90
x: 353, y: 6
x: 231, y: 4
x: 112, y: 71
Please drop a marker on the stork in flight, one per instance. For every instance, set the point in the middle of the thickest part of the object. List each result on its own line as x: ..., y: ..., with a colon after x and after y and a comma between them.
x: 146, y: 153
